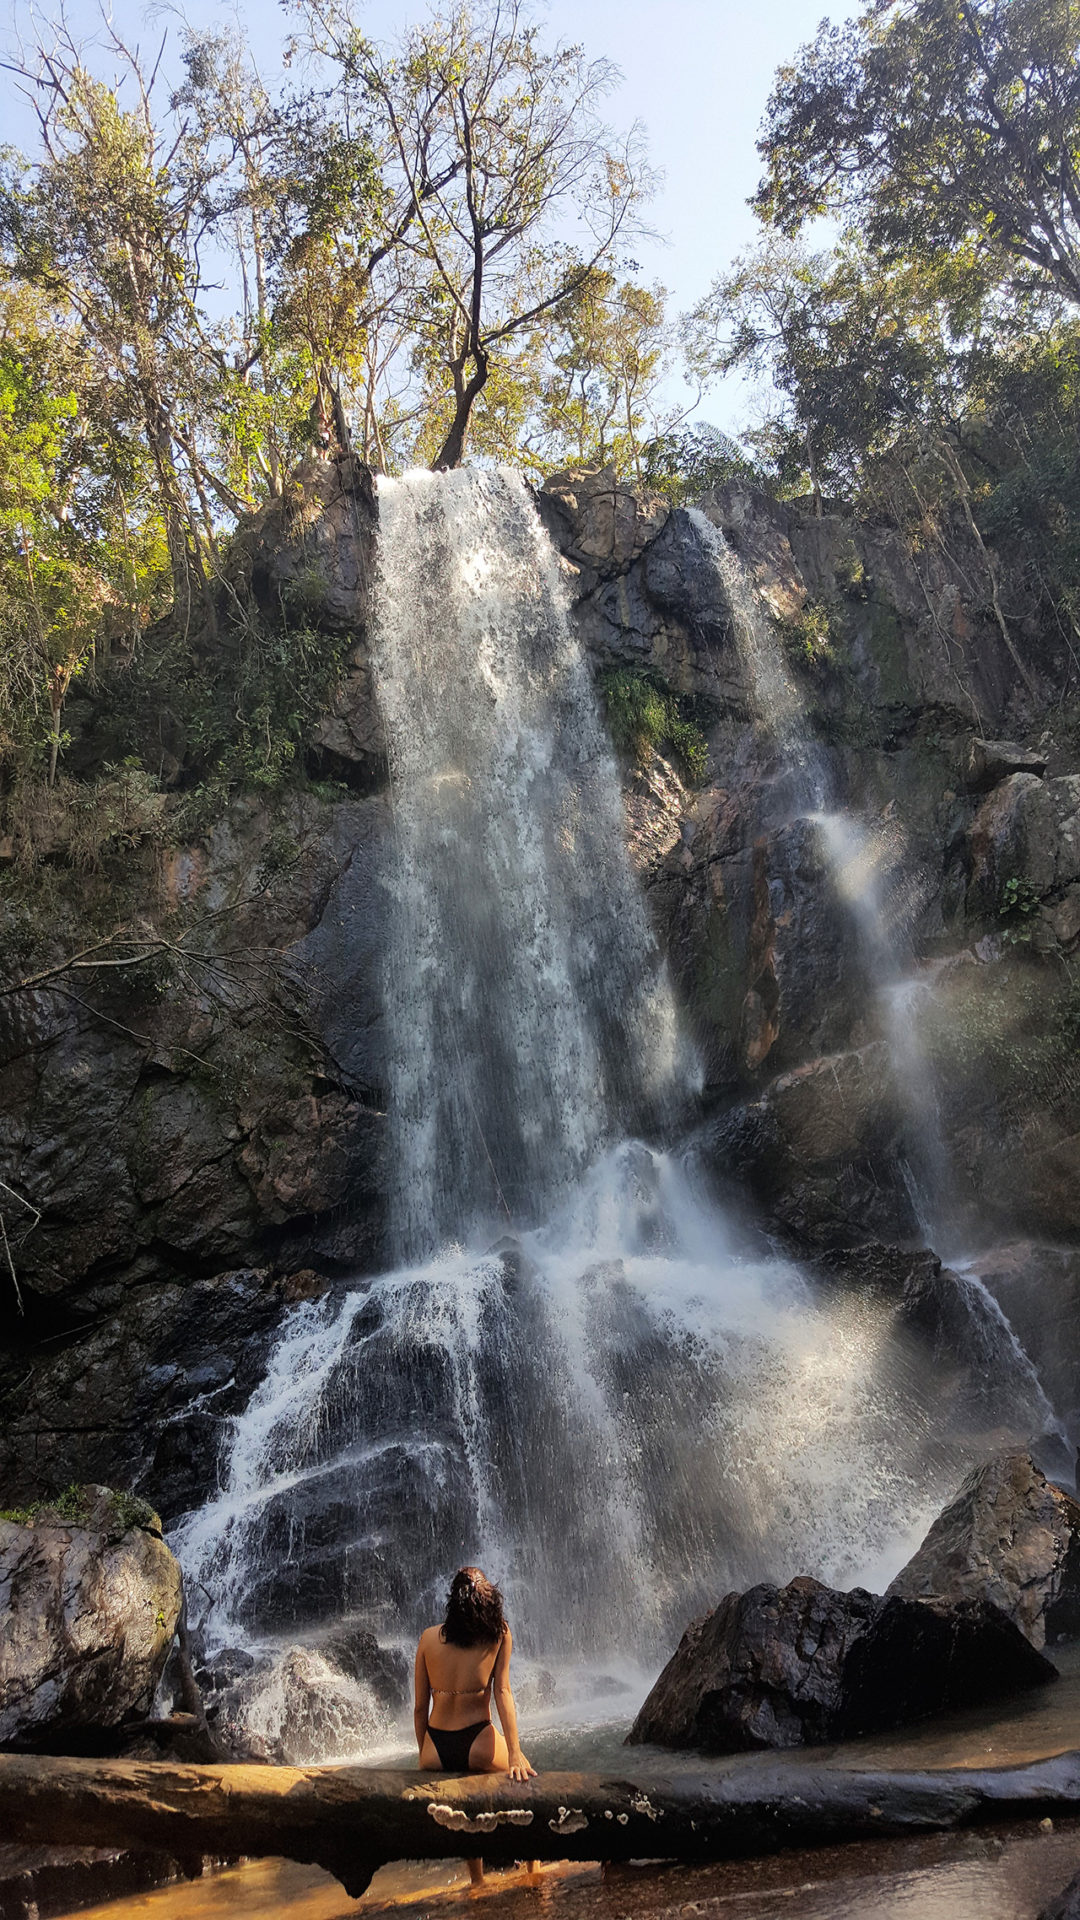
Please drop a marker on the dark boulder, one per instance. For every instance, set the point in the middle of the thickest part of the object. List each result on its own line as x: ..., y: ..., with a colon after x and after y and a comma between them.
x: 782, y: 1667
x: 764, y: 1669
x: 921, y: 1657
x: 1009, y: 1537
x: 356, y: 1652
x: 224, y: 1670
x: 89, y: 1603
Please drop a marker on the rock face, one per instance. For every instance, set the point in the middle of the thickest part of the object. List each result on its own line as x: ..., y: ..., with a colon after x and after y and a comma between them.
x: 355, y: 1650
x: 782, y: 1667
x: 177, y: 1145
x: 89, y: 1602
x: 1009, y: 1537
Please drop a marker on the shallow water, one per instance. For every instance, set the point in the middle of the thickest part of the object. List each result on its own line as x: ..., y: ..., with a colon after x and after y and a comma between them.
x: 1002, y: 1873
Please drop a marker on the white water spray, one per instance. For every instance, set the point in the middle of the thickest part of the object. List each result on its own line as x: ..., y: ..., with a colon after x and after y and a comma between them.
x: 530, y: 1019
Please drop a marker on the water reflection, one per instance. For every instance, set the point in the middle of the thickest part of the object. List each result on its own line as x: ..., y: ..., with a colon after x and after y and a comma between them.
x: 1005, y: 1873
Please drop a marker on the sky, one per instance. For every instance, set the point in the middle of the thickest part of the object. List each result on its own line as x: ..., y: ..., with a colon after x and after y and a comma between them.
x: 696, y: 73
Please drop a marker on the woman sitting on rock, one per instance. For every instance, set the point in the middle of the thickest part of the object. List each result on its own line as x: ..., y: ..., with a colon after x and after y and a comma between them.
x: 458, y: 1666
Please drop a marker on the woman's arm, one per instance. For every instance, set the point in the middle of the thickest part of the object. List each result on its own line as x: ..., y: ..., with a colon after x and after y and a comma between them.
x: 520, y: 1768
x: 421, y: 1698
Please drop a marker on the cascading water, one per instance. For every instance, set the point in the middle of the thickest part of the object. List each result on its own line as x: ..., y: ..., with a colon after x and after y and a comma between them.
x: 578, y: 1374
x: 871, y: 876
x: 869, y: 873
x: 529, y: 1020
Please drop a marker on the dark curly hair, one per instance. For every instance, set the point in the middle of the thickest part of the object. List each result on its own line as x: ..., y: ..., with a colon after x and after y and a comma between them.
x: 474, y: 1610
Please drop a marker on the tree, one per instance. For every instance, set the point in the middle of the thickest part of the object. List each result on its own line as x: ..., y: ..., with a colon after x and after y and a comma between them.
x: 855, y: 350
x: 938, y: 125
x: 108, y: 224
x: 608, y: 352
x: 685, y: 463
x: 511, y: 190
x: 81, y: 543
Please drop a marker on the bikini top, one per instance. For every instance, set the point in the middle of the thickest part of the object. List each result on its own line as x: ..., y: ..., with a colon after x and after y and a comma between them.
x: 463, y: 1690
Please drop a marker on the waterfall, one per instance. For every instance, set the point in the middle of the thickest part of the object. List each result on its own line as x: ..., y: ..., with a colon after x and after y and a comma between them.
x: 577, y: 1372
x: 870, y: 874
x: 530, y: 1022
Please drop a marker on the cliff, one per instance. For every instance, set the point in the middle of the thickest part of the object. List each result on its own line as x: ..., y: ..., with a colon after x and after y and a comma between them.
x: 191, y: 1116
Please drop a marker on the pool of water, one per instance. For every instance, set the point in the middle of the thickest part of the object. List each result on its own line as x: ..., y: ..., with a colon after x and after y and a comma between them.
x: 1001, y: 1873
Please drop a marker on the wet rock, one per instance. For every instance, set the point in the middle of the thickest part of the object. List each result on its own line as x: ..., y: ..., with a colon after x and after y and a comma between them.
x: 598, y: 520
x: 358, y: 1655
x: 311, y: 551
x: 765, y: 1669
x: 298, y: 1709
x: 819, y: 1150
x: 926, y: 1656
x: 680, y: 573
x: 188, y: 1132
x: 1013, y: 839
x: 146, y: 1389
x: 224, y: 1670
x: 89, y: 1602
x: 1038, y: 1290
x: 38, y: 1882
x: 782, y: 1667
x: 349, y: 742
x: 1009, y: 1537
x: 1066, y: 1904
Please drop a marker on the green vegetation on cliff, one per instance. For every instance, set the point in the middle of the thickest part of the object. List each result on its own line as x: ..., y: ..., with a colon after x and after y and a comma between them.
x: 422, y: 253
x: 644, y: 716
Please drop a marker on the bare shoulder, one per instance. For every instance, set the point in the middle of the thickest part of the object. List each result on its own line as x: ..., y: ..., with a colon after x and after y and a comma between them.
x: 429, y: 1636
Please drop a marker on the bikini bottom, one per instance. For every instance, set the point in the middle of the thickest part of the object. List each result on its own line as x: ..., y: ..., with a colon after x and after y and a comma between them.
x: 454, y: 1744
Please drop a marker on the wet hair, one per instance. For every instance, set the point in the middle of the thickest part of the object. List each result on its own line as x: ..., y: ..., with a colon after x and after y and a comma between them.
x: 474, y: 1610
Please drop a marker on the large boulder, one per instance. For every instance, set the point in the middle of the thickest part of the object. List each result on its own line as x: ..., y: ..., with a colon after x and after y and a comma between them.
x: 89, y: 1602
x: 763, y: 1670
x: 780, y: 1667
x: 1009, y: 1537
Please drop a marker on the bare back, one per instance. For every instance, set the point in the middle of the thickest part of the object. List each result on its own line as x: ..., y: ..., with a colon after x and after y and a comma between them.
x: 459, y: 1677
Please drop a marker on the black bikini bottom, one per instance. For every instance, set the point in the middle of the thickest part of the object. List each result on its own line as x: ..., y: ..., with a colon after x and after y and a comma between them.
x: 454, y: 1744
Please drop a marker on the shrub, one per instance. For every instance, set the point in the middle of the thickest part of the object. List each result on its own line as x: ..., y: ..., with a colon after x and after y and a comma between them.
x: 645, y: 716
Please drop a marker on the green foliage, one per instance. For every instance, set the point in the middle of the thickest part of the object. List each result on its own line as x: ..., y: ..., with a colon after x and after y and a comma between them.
x: 645, y: 716
x: 606, y: 356
x: 808, y: 634
x: 856, y: 351
x: 200, y: 277
x: 939, y: 127
x: 688, y: 462
x: 74, y: 1506
x: 1017, y: 897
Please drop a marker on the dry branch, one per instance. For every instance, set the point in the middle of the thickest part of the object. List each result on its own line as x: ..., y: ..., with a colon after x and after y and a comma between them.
x: 352, y: 1820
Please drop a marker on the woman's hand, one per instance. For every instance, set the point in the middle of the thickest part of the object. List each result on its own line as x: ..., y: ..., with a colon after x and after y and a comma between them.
x: 520, y: 1768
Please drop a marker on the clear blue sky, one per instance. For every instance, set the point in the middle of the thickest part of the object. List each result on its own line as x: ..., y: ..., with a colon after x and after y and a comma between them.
x: 696, y: 73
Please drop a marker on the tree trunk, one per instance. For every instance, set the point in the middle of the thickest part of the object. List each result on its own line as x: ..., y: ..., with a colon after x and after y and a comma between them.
x: 352, y: 1820
x: 959, y: 478
x: 452, y: 451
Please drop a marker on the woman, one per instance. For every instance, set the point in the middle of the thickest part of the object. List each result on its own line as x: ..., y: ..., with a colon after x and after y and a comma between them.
x: 458, y: 1667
